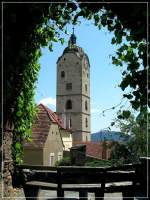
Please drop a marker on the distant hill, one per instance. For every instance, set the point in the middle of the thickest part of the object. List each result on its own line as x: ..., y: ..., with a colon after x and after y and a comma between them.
x: 109, y: 135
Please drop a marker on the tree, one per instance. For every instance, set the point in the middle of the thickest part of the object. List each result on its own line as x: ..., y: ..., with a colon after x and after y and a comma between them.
x: 137, y: 145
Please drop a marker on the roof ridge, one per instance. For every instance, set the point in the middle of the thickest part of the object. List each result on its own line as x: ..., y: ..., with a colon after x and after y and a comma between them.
x: 47, y: 111
x: 53, y: 116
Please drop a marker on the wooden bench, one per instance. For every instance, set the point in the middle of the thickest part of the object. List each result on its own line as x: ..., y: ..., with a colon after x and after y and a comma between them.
x: 122, y: 179
x: 81, y: 179
x: 97, y: 180
x: 34, y: 178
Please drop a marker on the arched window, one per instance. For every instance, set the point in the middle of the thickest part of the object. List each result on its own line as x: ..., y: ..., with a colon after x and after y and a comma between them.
x: 69, y: 104
x: 86, y: 107
x: 86, y: 122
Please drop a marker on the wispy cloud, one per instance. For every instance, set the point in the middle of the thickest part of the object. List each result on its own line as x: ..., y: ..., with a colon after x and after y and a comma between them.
x: 48, y: 101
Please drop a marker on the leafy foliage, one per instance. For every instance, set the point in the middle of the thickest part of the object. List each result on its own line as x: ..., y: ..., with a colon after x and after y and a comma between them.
x: 40, y: 28
x: 98, y: 163
x: 137, y: 146
x: 130, y: 38
x: 66, y: 161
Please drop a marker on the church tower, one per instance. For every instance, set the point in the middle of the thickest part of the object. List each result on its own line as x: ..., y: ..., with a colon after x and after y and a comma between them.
x: 73, y: 90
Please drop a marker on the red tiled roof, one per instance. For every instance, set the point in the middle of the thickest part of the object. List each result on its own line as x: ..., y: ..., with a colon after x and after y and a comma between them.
x: 53, y: 117
x: 95, y: 149
x: 41, y: 126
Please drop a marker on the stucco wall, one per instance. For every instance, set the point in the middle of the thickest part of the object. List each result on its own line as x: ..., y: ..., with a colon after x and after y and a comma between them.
x: 33, y: 156
x: 67, y: 139
x: 53, y: 145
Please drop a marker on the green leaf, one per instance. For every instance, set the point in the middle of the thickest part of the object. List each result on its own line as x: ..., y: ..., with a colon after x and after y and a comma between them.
x: 50, y: 47
x: 120, y: 117
x: 19, y: 113
x: 55, y: 39
x: 126, y: 114
x: 96, y: 18
x: 62, y: 40
x: 135, y: 104
x: 17, y: 146
x: 112, y: 123
x: 113, y: 41
x: 129, y: 96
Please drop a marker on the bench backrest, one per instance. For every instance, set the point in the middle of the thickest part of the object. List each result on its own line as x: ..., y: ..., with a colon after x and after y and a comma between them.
x: 78, y: 174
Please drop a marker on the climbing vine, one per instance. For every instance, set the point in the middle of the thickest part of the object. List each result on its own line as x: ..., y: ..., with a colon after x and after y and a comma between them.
x: 44, y: 34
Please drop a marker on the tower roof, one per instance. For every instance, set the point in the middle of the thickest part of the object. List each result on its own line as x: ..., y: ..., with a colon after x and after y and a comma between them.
x: 73, y: 48
x: 72, y: 40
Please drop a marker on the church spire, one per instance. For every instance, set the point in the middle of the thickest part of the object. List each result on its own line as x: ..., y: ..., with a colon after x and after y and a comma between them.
x: 72, y: 40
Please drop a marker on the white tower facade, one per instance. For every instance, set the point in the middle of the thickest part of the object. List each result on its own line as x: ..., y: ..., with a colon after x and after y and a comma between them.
x: 73, y: 91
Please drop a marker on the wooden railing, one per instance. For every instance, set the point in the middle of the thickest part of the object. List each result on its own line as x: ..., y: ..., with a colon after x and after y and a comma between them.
x: 98, y: 180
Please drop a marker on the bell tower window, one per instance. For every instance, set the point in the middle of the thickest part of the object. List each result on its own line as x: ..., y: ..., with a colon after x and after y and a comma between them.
x: 86, y: 107
x: 62, y: 74
x: 86, y: 122
x: 86, y: 87
x: 69, y: 104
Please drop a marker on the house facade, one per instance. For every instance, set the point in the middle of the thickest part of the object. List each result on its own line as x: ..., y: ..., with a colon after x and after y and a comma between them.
x: 48, y: 139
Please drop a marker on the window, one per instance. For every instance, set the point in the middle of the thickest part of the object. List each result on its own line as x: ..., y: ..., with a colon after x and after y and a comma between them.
x: 86, y: 87
x: 62, y: 74
x: 69, y: 86
x: 87, y: 75
x: 86, y: 138
x: 51, y: 159
x: 86, y: 107
x: 60, y: 156
x: 86, y: 122
x: 69, y: 104
x: 64, y: 58
x: 70, y: 123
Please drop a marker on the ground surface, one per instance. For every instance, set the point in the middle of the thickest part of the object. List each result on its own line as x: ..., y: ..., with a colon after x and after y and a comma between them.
x: 51, y: 195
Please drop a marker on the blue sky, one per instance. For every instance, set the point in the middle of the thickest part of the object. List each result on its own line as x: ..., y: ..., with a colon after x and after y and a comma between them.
x: 104, y: 79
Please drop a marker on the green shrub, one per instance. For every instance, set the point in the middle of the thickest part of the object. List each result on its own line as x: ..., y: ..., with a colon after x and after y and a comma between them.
x: 63, y: 162
x: 98, y: 163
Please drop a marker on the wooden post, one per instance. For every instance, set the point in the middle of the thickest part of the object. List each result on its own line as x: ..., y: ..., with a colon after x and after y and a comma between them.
x: 60, y: 191
x: 83, y: 194
x: 99, y: 193
x: 31, y: 192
